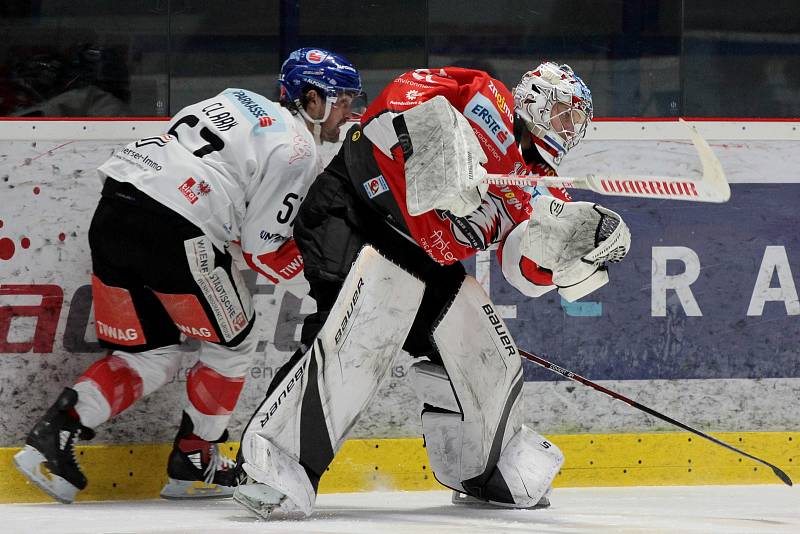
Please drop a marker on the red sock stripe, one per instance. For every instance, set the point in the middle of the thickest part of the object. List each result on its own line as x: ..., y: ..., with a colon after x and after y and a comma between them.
x: 120, y: 384
x: 210, y: 392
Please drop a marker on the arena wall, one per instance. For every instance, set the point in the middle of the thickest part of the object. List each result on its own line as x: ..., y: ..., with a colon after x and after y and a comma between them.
x: 700, y: 322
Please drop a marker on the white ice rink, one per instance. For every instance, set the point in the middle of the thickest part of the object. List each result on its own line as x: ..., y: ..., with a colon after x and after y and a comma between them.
x: 717, y: 509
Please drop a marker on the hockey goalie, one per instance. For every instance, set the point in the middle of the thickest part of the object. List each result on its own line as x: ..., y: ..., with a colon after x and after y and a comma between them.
x: 382, y: 232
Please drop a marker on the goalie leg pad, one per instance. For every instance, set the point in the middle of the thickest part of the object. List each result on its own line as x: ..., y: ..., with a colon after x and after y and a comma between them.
x: 308, y: 415
x: 470, y: 400
x: 472, y: 423
x: 525, y: 470
x: 484, y: 367
x: 268, y: 464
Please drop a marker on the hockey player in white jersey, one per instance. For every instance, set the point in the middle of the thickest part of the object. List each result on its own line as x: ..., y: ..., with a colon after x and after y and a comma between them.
x: 224, y: 180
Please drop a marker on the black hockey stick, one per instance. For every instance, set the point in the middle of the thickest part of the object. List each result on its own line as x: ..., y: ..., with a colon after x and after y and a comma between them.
x: 586, y: 382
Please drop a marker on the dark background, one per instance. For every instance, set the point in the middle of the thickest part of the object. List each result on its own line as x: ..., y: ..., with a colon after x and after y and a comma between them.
x: 654, y: 58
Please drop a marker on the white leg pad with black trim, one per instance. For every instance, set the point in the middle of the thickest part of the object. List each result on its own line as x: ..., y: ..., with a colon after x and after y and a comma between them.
x: 528, y: 465
x: 267, y: 463
x: 323, y: 395
x: 472, y: 424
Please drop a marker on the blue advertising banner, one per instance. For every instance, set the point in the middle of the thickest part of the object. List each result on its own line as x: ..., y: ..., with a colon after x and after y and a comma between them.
x: 707, y: 291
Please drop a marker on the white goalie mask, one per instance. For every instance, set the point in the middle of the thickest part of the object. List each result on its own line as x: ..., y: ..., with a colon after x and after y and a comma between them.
x: 556, y: 106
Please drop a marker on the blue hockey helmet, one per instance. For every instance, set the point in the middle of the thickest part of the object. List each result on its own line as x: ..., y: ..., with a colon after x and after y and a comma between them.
x: 330, y: 73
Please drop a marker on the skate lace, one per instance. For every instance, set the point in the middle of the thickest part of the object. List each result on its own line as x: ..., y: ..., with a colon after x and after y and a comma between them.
x: 69, y: 445
x: 216, y: 462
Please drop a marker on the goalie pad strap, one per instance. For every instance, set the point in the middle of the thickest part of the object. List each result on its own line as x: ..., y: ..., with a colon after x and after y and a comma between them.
x: 433, y: 387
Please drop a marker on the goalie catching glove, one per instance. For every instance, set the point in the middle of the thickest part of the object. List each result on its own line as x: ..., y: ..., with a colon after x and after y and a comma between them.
x: 575, y: 240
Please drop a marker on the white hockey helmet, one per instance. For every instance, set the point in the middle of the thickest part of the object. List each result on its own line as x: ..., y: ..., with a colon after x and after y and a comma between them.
x: 556, y: 106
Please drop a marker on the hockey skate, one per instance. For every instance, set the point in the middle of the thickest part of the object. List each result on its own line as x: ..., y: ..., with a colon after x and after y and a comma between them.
x: 196, y: 468
x: 464, y: 499
x: 48, y: 459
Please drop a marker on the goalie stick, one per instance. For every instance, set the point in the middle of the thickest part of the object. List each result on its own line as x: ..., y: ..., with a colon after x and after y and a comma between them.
x: 711, y: 187
x: 586, y: 382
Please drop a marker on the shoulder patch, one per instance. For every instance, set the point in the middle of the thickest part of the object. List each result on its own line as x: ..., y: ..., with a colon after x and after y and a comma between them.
x: 376, y: 186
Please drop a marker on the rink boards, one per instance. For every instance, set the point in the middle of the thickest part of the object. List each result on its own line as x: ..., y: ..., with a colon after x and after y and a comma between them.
x: 699, y: 322
x: 130, y: 472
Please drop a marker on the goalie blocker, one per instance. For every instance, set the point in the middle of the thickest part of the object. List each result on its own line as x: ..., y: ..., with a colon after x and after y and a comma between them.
x: 476, y: 442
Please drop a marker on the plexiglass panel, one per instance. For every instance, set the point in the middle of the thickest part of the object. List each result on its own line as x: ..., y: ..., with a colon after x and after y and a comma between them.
x: 660, y: 58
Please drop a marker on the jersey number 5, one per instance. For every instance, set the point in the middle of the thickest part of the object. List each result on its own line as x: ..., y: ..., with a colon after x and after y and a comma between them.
x: 284, y: 217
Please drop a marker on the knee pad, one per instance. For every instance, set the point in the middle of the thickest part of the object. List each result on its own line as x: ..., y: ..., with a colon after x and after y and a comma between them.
x: 214, y: 385
x: 309, y: 413
x: 471, y: 413
x: 113, y: 383
x: 212, y: 397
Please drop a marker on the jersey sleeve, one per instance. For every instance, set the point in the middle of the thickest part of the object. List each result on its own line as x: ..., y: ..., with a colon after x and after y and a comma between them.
x: 267, y: 243
x: 403, y: 93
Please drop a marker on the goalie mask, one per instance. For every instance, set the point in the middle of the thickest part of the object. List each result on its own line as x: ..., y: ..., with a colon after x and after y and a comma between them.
x: 556, y: 107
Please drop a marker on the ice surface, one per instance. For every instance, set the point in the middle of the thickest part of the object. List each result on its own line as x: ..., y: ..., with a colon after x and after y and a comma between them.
x: 717, y: 509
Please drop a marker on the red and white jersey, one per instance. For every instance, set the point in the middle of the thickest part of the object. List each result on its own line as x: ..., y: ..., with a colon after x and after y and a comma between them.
x: 236, y: 165
x: 488, y: 106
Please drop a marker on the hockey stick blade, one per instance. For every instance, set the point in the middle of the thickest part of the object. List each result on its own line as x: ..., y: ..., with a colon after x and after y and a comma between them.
x: 711, y: 187
x: 613, y: 394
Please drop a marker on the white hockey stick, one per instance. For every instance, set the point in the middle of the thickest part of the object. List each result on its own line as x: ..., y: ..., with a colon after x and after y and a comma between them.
x: 711, y: 187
